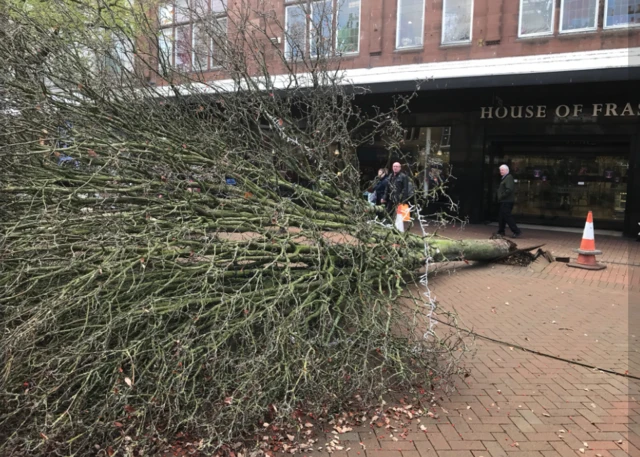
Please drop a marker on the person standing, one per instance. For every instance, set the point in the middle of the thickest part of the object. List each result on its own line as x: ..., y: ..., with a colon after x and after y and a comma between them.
x: 506, y: 200
x: 380, y: 187
x: 397, y: 190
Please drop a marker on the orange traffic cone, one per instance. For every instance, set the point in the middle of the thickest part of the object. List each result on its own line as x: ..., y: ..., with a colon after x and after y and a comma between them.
x: 587, y: 252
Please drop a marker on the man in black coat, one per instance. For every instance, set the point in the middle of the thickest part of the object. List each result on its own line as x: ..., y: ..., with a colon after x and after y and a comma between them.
x: 397, y: 190
x: 506, y: 200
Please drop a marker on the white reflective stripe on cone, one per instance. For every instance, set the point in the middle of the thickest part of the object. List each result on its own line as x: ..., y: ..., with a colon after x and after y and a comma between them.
x: 588, y: 231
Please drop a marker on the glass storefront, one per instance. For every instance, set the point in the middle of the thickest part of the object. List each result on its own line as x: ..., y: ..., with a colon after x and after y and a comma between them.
x: 559, y: 183
x: 425, y: 152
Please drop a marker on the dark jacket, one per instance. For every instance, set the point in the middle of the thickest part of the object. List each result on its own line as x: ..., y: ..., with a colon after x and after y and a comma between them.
x: 506, y: 189
x: 398, y: 189
x: 380, y: 188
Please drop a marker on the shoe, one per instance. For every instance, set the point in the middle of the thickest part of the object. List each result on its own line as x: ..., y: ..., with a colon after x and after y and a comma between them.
x: 516, y: 235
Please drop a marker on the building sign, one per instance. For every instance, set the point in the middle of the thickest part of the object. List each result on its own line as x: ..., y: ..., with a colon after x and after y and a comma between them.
x: 560, y: 111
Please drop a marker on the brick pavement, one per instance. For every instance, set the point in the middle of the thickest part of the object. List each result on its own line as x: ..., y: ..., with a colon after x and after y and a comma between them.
x: 518, y: 404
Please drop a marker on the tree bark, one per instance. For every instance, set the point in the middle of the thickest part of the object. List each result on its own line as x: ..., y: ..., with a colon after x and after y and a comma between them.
x: 480, y: 250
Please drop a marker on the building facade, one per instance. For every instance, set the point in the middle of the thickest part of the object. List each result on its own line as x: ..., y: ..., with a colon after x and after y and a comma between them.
x: 549, y: 87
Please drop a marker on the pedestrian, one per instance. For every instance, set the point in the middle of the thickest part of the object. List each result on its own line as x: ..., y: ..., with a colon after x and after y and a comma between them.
x: 397, y: 191
x: 380, y: 187
x: 506, y: 200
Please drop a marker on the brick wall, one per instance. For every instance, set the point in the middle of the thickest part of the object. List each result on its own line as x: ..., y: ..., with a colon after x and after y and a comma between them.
x: 494, y: 35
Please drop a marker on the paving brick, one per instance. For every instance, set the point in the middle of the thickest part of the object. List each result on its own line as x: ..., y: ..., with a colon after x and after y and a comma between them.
x: 477, y: 436
x: 383, y: 453
x: 584, y: 424
x: 534, y: 446
x: 467, y: 445
x: 449, y: 432
x: 594, y: 453
x: 603, y: 445
x: 398, y: 445
x: 417, y: 436
x: 455, y: 454
x: 494, y: 448
x: 486, y: 428
x: 562, y: 449
x: 613, y: 427
x: 523, y: 424
x: 543, y: 436
x: 496, y: 420
x: 524, y: 454
x: 503, y: 440
x: 425, y: 448
x: 593, y: 415
x: 438, y: 441
x: 551, y: 454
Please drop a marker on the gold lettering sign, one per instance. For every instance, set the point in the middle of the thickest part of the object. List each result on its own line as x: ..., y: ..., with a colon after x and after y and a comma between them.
x: 560, y: 111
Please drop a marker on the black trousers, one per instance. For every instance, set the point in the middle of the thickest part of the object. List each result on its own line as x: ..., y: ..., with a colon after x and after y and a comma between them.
x: 506, y: 218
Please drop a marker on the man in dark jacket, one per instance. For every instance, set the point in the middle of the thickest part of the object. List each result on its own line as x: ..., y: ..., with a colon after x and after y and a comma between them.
x: 380, y: 187
x: 397, y: 190
x: 506, y: 199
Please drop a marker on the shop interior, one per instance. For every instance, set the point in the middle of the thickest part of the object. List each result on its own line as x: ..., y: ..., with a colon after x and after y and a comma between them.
x: 559, y: 182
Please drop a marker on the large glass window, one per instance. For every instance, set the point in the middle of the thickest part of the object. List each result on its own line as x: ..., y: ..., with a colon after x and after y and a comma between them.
x: 457, y: 19
x: 559, y: 182
x: 578, y: 15
x: 200, y: 48
x: 191, y: 34
x: 295, y: 31
x: 183, y: 47
x: 165, y: 50
x: 410, y: 26
x: 536, y: 17
x: 622, y: 13
x: 321, y: 27
x: 348, y: 26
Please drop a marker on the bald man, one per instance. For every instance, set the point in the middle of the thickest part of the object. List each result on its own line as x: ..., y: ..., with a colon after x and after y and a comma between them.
x: 506, y: 200
x: 397, y: 190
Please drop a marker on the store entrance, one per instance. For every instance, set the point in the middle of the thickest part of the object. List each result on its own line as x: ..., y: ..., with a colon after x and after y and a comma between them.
x: 559, y: 181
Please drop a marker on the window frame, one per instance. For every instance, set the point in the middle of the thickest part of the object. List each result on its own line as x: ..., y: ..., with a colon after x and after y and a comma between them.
x: 459, y: 42
x: 288, y: 53
x: 628, y: 25
x: 398, y: 45
x: 312, y: 32
x: 536, y: 34
x: 174, y: 25
x: 582, y: 30
x: 333, y: 50
x: 337, y: 20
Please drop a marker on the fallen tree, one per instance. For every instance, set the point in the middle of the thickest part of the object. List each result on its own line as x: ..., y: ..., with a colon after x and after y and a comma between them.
x: 196, y: 258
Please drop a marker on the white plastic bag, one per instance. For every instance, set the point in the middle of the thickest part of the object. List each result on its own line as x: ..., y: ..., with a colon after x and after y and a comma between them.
x: 399, y: 222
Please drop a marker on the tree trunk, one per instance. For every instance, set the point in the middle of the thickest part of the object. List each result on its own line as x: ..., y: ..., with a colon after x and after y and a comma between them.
x: 483, y: 250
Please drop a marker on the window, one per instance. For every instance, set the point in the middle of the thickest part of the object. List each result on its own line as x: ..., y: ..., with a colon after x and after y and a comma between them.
x: 578, y: 15
x: 622, y: 13
x: 295, y: 31
x: 457, y: 18
x: 536, y: 18
x: 119, y: 55
x: 191, y: 34
x: 348, y: 34
x: 410, y: 26
x: 314, y: 28
x: 321, y: 26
